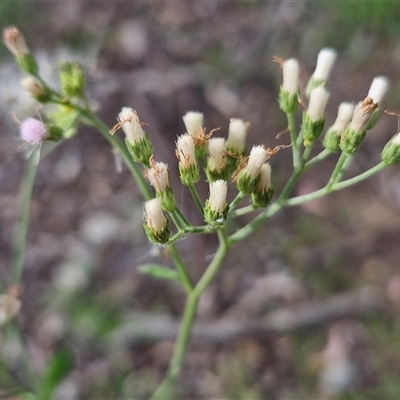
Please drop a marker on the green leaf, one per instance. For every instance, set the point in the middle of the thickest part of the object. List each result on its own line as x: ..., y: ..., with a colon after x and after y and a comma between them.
x: 58, y: 368
x: 159, y: 271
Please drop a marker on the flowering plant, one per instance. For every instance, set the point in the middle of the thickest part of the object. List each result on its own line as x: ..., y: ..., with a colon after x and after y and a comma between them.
x: 235, y: 173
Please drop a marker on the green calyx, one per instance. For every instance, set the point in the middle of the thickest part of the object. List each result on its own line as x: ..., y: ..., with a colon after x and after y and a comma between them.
x: 141, y: 150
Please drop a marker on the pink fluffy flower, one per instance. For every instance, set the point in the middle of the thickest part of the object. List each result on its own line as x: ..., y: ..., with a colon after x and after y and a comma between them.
x: 33, y: 131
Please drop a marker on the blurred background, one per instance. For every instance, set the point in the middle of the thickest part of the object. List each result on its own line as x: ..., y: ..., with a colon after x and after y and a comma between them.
x: 324, y: 277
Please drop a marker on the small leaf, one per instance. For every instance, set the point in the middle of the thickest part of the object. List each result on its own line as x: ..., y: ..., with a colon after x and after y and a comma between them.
x: 58, y: 368
x: 159, y: 271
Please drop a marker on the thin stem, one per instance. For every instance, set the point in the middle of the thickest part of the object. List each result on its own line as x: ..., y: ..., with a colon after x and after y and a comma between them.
x: 189, y: 317
x: 181, y: 267
x: 196, y: 198
x: 250, y: 228
x: 335, y: 187
x: 340, y: 168
x: 182, y: 217
x: 241, y: 211
x: 306, y: 154
x: 293, y: 139
x: 25, y: 197
x: 318, y: 158
x: 190, y: 230
x: 290, y: 184
x: 236, y: 201
x: 177, y: 221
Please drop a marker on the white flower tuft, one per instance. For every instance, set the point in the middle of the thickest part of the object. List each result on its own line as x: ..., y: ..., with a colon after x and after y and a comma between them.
x: 193, y: 121
x: 378, y: 89
x: 217, y: 199
x: 131, y: 125
x: 291, y: 70
x: 185, y: 151
x: 258, y: 156
x: 326, y: 59
x: 318, y: 99
x: 154, y: 215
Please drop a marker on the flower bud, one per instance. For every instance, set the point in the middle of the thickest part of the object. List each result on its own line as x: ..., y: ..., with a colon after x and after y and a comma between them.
x: 216, y: 164
x: 137, y: 141
x: 356, y: 130
x: 72, y: 79
x: 249, y: 176
x: 15, y: 42
x: 263, y: 192
x: 314, y: 117
x: 156, y: 225
x: 377, y: 92
x: 391, y: 152
x: 216, y: 207
x: 289, y: 91
x: 188, y: 166
x: 35, y: 88
x: 332, y: 136
x: 326, y: 59
x: 158, y: 176
x: 193, y: 121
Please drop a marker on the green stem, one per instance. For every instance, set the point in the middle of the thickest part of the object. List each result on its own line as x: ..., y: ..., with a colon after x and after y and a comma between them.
x: 25, y: 198
x: 196, y: 198
x: 181, y: 267
x: 236, y: 201
x: 241, y: 211
x: 340, y: 168
x: 318, y: 158
x: 188, y: 319
x: 182, y: 217
x: 293, y: 139
x: 335, y: 187
x: 177, y: 221
x: 250, y: 228
x: 190, y: 230
x: 306, y: 153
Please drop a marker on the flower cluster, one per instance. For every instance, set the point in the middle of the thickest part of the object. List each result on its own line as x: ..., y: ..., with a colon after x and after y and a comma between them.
x: 223, y: 160
x: 352, y: 122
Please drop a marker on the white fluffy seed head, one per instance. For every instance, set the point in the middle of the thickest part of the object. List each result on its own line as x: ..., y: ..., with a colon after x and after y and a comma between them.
x: 218, y: 192
x: 158, y: 176
x: 318, y: 99
x: 258, y: 156
x: 130, y: 124
x: 326, y: 59
x: 291, y: 70
x: 154, y: 215
x: 193, y: 121
x: 378, y: 89
x: 265, y: 178
x: 217, y: 153
x: 237, y: 134
x: 185, y: 151
x: 344, y: 116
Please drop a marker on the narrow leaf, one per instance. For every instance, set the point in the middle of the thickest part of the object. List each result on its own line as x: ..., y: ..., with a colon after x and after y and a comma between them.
x: 159, y: 271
